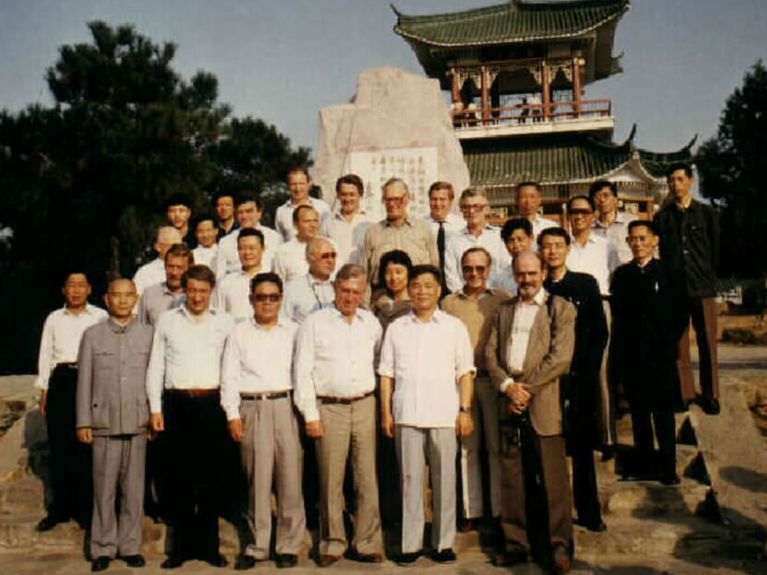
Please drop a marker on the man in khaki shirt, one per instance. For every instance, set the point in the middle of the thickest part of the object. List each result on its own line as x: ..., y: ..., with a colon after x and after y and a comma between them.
x: 475, y: 305
x: 399, y: 231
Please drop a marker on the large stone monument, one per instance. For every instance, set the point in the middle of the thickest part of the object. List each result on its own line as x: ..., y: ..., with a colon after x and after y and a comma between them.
x: 397, y: 125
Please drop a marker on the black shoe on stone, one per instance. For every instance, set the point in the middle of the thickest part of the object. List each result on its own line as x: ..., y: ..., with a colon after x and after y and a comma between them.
x: 134, y: 561
x: 173, y: 562
x: 49, y: 522
x: 710, y: 405
x: 215, y: 560
x: 512, y: 554
x: 444, y: 556
x: 408, y: 558
x: 244, y: 562
x: 596, y: 526
x: 285, y: 560
x: 100, y: 564
x: 670, y: 479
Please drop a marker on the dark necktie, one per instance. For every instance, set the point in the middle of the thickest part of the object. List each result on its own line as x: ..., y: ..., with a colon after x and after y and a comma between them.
x: 441, y: 247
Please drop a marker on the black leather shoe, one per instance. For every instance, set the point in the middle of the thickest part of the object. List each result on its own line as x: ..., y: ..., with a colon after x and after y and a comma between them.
x: 595, y: 526
x: 134, y: 561
x: 513, y: 554
x: 670, y: 479
x: 48, y: 522
x: 285, y: 560
x: 444, y: 556
x: 710, y: 405
x: 173, y: 562
x: 216, y: 560
x: 244, y: 562
x: 100, y: 564
x: 408, y: 558
x: 365, y: 557
x: 561, y: 559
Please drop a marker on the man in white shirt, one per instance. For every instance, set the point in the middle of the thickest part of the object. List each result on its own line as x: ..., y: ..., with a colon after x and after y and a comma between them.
x: 169, y: 294
x: 182, y: 384
x: 478, y: 232
x: 299, y: 184
x: 232, y: 294
x: 250, y: 208
x: 313, y: 291
x: 427, y: 371
x: 154, y: 272
x: 517, y: 236
x: 206, y: 232
x: 595, y: 255
x: 442, y: 219
x: 68, y: 460
x: 529, y: 348
x: 611, y: 223
x: 334, y: 387
x: 290, y: 257
x: 528, y: 196
x: 256, y: 388
x: 348, y: 223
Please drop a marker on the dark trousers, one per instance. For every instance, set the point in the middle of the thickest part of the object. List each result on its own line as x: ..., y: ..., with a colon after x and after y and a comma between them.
x: 194, y: 448
x: 642, y: 421
x: 585, y: 492
x: 69, y: 461
x: 702, y: 312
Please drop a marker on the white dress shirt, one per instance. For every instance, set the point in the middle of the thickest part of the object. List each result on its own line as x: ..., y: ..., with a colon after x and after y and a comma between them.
x: 347, y: 235
x: 256, y: 360
x: 617, y: 232
x: 205, y: 256
x: 149, y: 274
x: 334, y: 358
x: 539, y: 224
x: 452, y: 223
x: 290, y: 260
x: 60, y: 341
x: 228, y: 259
x: 426, y: 360
x: 459, y: 242
x: 597, y: 257
x: 305, y: 295
x: 186, y: 354
x: 283, y: 217
x: 516, y: 347
x: 232, y: 294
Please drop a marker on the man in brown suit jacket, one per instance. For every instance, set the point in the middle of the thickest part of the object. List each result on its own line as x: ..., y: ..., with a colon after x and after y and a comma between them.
x: 529, y: 348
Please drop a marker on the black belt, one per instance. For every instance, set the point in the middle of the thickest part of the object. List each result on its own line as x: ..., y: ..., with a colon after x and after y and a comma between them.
x: 193, y: 392
x: 328, y: 400
x: 261, y: 396
x: 67, y: 365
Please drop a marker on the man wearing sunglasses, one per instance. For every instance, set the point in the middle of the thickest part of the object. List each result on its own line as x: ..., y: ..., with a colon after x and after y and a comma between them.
x: 314, y: 290
x: 256, y: 387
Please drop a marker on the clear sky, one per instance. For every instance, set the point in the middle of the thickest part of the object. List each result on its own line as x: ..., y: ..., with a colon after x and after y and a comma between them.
x: 283, y: 60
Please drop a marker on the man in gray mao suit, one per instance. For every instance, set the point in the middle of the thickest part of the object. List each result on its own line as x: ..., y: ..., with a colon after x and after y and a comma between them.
x: 112, y: 415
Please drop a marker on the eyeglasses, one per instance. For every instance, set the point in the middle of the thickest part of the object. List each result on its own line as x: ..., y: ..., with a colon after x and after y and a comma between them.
x: 270, y: 297
x: 473, y: 207
x: 581, y: 212
x: 397, y: 201
x: 327, y: 255
x: 477, y: 269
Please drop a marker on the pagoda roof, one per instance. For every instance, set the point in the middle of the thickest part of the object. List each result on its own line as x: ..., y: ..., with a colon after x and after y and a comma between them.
x: 569, y: 159
x: 509, y: 23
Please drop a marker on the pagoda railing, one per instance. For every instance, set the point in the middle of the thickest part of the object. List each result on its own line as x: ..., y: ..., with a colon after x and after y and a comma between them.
x: 475, y: 116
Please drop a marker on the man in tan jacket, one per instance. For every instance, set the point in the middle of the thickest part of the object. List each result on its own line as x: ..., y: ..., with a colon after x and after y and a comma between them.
x: 530, y: 346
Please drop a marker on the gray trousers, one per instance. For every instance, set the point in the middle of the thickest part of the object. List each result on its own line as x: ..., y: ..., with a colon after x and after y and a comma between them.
x: 417, y: 447
x: 485, y: 412
x: 118, y: 463
x: 271, y: 452
x: 350, y: 432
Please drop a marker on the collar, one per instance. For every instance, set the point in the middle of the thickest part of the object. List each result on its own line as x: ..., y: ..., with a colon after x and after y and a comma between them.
x: 337, y: 313
x: 117, y: 328
x: 282, y: 323
x: 539, y: 299
x: 437, y: 317
x: 460, y: 294
x: 338, y: 215
x: 488, y: 228
x: 313, y: 281
x: 88, y: 310
x: 407, y: 222
x: 184, y: 310
x: 592, y: 239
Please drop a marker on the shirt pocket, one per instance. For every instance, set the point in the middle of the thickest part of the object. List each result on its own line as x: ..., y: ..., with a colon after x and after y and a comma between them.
x: 104, y: 362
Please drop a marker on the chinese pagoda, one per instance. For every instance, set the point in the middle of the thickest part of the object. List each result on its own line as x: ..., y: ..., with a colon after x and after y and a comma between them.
x: 517, y: 75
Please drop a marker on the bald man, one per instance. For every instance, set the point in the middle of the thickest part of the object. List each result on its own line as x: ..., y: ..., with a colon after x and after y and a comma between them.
x: 154, y: 272
x: 112, y: 416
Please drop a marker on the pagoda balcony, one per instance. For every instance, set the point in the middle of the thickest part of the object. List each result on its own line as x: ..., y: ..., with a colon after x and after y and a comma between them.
x: 532, y: 118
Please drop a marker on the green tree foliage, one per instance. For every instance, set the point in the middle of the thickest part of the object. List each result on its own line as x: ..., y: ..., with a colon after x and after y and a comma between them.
x: 84, y: 181
x: 733, y: 174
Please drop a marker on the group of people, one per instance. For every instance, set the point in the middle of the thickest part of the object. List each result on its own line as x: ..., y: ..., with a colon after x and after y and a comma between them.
x: 335, y: 345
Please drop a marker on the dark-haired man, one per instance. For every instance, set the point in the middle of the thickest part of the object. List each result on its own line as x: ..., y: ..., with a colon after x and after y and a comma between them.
x: 348, y: 223
x: 528, y: 196
x: 112, y: 416
x: 517, y: 236
x: 224, y: 205
x: 610, y: 222
x: 529, y: 349
x: 183, y: 389
x: 299, y: 184
x: 427, y: 371
x: 178, y: 211
x: 580, y: 387
x: 689, y: 251
x: 68, y: 460
x: 256, y: 391
x: 645, y: 335
x: 206, y: 232
x: 232, y: 294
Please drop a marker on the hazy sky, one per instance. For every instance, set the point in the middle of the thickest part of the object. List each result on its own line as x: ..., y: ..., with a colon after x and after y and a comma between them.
x: 283, y: 60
